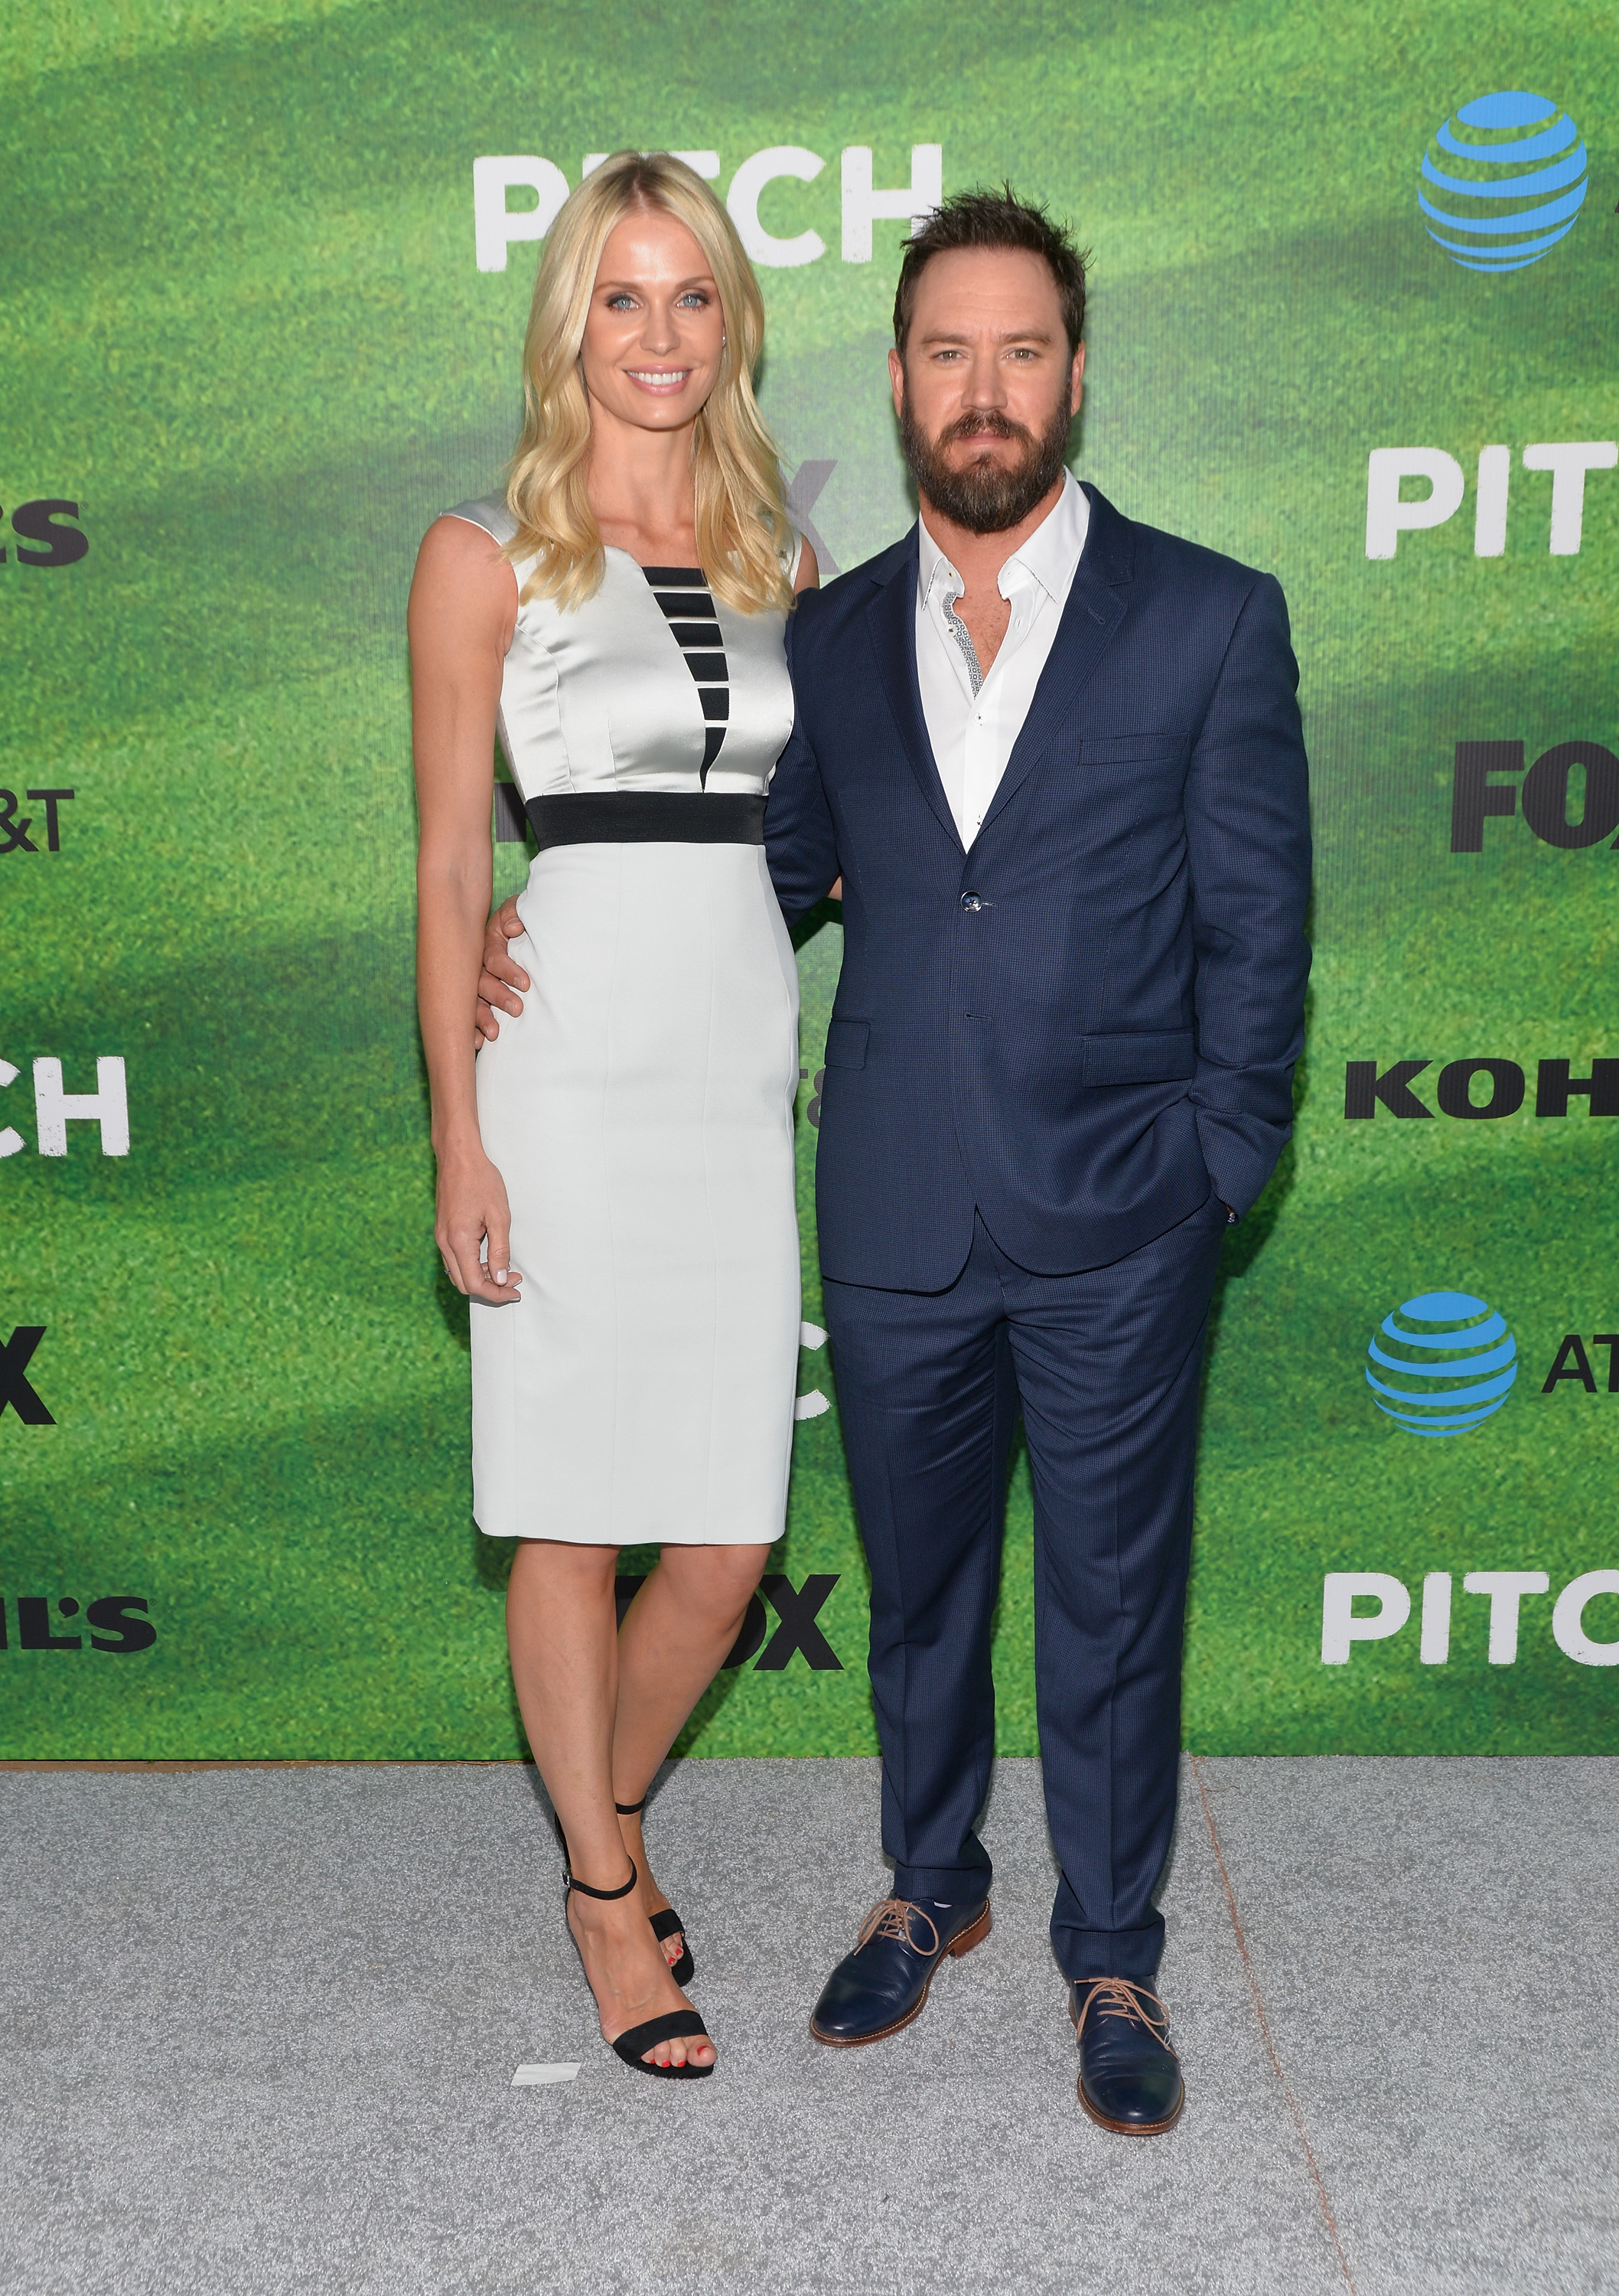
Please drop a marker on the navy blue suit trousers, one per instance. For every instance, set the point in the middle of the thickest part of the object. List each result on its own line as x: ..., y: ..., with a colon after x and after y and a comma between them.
x: 1103, y: 1367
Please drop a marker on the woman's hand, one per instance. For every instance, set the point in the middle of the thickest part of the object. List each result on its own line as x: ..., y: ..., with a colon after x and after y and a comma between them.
x: 472, y: 1206
x: 501, y: 975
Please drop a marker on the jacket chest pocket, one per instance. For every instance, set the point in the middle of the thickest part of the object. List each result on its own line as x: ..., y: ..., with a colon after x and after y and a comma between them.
x: 1130, y: 750
x: 1124, y: 780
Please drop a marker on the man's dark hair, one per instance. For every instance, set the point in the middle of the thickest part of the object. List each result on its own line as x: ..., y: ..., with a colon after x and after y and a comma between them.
x: 995, y: 219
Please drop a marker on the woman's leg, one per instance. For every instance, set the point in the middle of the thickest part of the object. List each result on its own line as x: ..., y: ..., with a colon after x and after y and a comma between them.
x: 674, y: 1641
x: 560, y: 1628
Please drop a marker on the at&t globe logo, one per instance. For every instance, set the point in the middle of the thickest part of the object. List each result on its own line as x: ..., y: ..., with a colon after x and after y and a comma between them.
x: 1442, y: 1363
x: 1502, y: 181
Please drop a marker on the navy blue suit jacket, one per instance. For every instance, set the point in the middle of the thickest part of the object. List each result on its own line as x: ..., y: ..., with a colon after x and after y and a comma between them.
x: 1090, y: 1020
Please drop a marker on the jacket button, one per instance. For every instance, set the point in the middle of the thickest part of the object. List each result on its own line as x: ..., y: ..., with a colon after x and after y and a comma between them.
x: 971, y: 903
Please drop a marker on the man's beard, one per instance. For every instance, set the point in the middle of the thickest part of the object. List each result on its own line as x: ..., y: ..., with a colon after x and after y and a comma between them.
x: 986, y: 497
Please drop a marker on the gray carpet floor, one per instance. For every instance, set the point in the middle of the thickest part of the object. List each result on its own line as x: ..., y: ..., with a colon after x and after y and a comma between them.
x: 259, y: 2028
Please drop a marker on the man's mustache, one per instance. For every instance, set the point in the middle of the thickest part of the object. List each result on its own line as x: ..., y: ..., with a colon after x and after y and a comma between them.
x: 985, y: 425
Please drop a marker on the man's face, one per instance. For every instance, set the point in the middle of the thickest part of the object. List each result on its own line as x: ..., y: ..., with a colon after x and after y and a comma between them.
x: 986, y: 390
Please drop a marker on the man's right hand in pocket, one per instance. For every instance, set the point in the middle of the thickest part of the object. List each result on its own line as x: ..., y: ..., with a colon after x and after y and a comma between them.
x: 502, y: 974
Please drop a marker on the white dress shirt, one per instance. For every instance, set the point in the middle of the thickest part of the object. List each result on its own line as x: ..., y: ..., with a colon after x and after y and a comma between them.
x: 973, y: 721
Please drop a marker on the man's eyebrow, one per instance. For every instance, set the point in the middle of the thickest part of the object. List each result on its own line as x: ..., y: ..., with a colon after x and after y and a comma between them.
x: 1007, y: 335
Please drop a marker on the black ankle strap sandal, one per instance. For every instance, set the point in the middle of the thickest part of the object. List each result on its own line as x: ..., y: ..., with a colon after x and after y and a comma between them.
x: 676, y: 2024
x: 679, y: 2024
x: 605, y: 1896
x: 665, y: 1924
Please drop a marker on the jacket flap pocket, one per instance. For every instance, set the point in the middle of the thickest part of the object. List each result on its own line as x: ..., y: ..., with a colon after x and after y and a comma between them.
x: 845, y: 1044
x: 1156, y: 1056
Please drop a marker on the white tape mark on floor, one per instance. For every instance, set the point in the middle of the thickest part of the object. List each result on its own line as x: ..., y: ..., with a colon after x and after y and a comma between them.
x: 537, y: 2076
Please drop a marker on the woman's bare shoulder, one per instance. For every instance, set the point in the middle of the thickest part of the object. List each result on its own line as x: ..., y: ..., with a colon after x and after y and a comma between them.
x: 463, y: 578
x: 459, y: 548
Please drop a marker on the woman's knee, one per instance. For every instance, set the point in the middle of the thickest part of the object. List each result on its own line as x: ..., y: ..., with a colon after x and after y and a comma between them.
x: 717, y: 1579
x: 565, y: 1570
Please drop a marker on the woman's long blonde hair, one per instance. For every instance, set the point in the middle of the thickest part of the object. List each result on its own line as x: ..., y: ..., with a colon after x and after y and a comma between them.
x: 742, y: 532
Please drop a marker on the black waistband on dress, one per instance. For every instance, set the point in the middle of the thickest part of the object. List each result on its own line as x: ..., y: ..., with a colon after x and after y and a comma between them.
x: 647, y: 817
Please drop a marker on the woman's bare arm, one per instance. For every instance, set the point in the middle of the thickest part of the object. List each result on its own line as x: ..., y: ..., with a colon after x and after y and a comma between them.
x: 462, y: 612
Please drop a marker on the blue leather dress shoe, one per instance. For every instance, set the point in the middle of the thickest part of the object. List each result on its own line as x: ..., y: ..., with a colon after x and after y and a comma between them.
x: 883, y: 1984
x: 1129, y: 2077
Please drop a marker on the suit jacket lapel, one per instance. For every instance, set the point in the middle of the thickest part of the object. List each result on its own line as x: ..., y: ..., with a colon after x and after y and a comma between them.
x: 891, y: 617
x: 1094, y: 610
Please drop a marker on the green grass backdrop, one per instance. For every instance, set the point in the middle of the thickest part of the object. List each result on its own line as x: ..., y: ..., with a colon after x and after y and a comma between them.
x: 245, y: 332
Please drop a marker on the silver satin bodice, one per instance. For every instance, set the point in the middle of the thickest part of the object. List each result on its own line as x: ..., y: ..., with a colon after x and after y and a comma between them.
x: 600, y: 697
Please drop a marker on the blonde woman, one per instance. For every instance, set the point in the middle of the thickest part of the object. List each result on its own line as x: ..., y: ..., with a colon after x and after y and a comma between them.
x: 625, y: 1142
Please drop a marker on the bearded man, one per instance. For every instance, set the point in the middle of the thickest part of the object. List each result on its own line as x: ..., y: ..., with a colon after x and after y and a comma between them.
x: 1056, y: 759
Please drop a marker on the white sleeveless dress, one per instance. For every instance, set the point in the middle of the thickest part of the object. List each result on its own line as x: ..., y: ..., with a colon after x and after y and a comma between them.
x: 640, y: 1109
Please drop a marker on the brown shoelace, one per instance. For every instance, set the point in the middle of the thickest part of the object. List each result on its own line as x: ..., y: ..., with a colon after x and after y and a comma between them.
x: 892, y: 1917
x: 1122, y: 1997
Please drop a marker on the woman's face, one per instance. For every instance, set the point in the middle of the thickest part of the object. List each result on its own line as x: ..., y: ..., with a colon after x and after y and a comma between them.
x: 654, y: 333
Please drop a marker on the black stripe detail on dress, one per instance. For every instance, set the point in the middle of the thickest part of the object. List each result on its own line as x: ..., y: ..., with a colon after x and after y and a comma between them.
x: 647, y: 817
x: 682, y: 591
